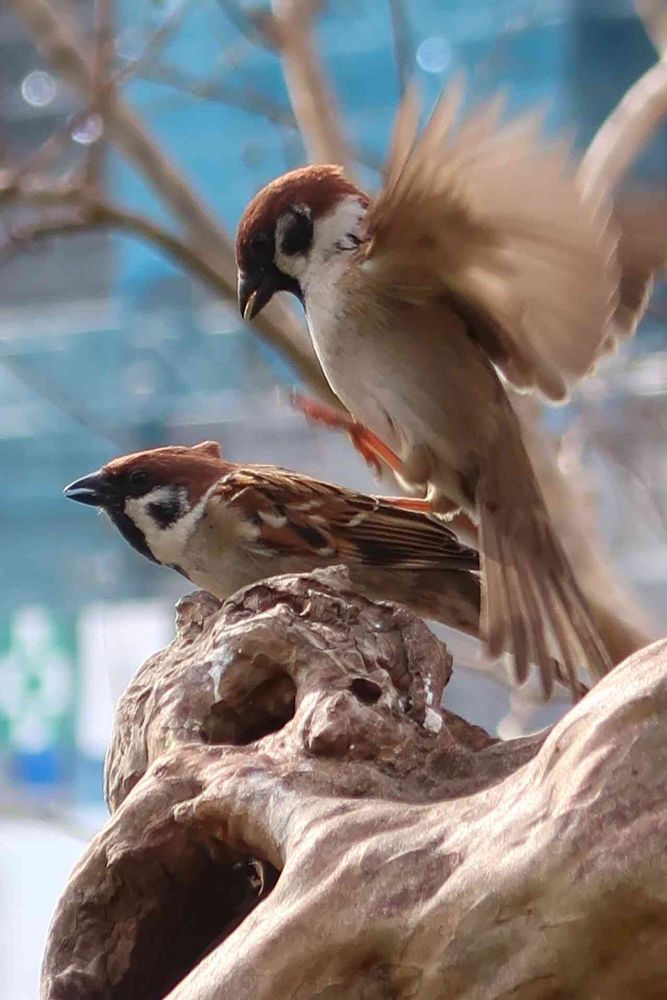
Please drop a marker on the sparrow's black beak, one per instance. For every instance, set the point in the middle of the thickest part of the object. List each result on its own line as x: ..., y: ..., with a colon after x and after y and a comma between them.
x: 256, y: 291
x: 92, y: 490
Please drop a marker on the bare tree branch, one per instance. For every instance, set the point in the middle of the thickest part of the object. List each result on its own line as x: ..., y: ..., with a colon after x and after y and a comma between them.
x: 626, y: 131
x: 71, y: 208
x: 159, y: 39
x: 402, y: 43
x: 246, y: 25
x: 215, y: 90
x: 653, y: 14
x: 55, y: 394
x: 58, y: 42
x: 247, y: 99
x: 17, y: 186
x: 45, y: 154
x: 101, y: 94
x: 311, y: 95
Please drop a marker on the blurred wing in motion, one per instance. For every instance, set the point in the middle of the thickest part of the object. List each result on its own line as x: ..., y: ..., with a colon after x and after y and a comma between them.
x: 642, y: 254
x: 487, y: 217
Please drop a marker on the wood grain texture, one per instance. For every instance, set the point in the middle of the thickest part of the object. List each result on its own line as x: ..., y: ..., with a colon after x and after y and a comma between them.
x: 294, y: 817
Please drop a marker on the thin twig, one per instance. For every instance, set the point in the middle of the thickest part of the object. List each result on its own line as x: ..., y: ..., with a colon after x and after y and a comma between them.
x: 653, y: 14
x: 97, y: 213
x: 245, y: 25
x: 101, y: 93
x: 626, y: 131
x: 47, y: 389
x: 53, y: 144
x: 57, y: 39
x: 311, y: 95
x: 83, y: 208
x: 248, y: 99
x: 36, y: 190
x: 53, y: 223
x: 158, y: 40
x: 403, y: 47
x: 214, y: 90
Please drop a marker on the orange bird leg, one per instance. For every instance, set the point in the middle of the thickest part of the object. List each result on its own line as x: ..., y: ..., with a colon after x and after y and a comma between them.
x: 374, y: 452
x: 419, y: 504
x: 370, y: 447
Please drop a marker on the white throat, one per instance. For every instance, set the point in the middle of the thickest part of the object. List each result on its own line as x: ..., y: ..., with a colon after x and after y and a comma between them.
x: 335, y: 236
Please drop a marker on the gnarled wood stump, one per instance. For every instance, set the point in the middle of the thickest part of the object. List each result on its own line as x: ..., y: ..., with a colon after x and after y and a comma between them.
x: 294, y: 817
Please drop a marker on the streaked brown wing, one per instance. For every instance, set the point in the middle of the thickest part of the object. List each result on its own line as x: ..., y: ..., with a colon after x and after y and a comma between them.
x: 303, y: 516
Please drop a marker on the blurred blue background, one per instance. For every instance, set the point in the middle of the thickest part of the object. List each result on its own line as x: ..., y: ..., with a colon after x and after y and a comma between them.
x: 107, y: 347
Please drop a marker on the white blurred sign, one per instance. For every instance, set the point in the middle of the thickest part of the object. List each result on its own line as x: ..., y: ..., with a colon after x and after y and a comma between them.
x: 113, y: 641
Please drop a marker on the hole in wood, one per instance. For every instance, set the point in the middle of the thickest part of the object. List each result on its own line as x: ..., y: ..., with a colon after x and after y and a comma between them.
x: 186, y: 922
x: 365, y: 690
x: 265, y: 710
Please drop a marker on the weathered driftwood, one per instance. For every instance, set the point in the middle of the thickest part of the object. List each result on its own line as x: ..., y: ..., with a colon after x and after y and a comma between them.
x: 293, y: 817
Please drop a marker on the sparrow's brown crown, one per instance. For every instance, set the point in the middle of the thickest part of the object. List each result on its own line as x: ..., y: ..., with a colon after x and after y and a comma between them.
x: 196, y: 468
x: 318, y: 187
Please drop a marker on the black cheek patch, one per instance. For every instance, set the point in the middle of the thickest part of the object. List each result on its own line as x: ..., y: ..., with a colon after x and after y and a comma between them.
x: 166, y: 512
x: 289, y: 284
x: 298, y: 234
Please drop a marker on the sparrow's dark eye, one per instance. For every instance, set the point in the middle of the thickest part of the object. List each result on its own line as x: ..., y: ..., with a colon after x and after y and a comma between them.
x: 297, y: 232
x: 139, y: 480
x: 261, y: 247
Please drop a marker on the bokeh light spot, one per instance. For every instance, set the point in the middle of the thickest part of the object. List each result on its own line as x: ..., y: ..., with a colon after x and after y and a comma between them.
x: 434, y: 55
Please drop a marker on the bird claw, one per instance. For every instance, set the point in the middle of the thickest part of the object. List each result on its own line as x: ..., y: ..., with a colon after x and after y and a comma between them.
x: 365, y: 449
x: 374, y: 451
x: 320, y: 413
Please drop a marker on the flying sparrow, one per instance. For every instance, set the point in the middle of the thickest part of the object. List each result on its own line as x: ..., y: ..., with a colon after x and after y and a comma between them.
x: 480, y: 260
x: 224, y: 526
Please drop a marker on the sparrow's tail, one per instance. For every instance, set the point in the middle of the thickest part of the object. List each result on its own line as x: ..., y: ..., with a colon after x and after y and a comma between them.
x: 531, y: 601
x: 451, y: 597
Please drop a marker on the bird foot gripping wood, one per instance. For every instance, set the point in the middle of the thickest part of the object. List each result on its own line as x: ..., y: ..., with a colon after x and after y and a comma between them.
x: 294, y: 815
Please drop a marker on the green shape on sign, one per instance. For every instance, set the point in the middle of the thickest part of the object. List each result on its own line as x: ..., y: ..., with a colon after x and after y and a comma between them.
x: 37, y: 656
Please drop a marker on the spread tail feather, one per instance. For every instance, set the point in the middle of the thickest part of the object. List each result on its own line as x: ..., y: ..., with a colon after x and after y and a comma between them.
x: 530, y: 591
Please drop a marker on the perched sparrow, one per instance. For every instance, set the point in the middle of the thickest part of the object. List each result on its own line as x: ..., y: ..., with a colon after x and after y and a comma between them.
x: 481, y: 259
x: 224, y: 526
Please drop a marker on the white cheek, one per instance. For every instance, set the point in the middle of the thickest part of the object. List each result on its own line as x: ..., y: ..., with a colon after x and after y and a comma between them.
x: 166, y: 544
x: 296, y: 265
x: 332, y: 232
x: 137, y: 510
x: 331, y: 244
